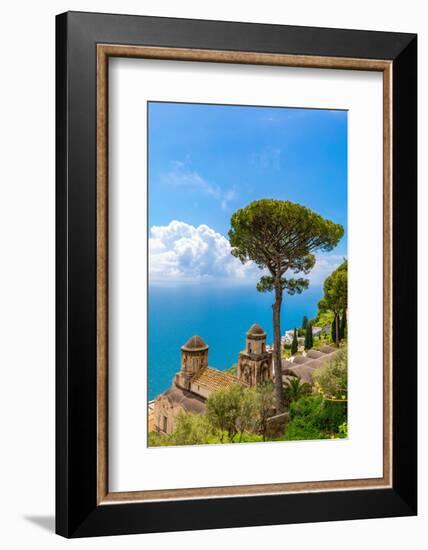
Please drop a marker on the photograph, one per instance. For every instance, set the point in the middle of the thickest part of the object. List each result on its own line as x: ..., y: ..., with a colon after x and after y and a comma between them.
x: 212, y: 278
x: 247, y: 274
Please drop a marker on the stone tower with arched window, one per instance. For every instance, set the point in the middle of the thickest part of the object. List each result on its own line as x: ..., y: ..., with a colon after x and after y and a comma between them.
x: 255, y: 363
x: 194, y: 358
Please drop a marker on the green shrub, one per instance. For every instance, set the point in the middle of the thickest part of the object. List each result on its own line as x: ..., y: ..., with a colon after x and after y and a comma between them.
x: 303, y: 422
x: 314, y: 417
x: 190, y: 429
x: 232, y: 410
x: 306, y: 407
x: 332, y: 415
x: 331, y: 380
x: 233, y: 370
x: 157, y: 440
x: 286, y: 351
x: 298, y: 430
x: 323, y: 319
x: 295, y: 389
x: 343, y: 430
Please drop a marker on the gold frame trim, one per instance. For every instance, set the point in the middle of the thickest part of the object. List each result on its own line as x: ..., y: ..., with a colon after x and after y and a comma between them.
x: 104, y: 51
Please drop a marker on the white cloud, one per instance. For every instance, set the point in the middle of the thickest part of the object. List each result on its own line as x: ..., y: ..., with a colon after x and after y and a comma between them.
x: 180, y: 252
x: 325, y: 264
x: 181, y: 176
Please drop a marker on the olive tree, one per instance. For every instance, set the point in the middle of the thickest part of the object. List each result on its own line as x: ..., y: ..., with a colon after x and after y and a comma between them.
x: 280, y: 237
x: 265, y: 399
x: 232, y: 410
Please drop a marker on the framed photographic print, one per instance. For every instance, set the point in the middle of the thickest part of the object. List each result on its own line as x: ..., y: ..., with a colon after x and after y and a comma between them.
x: 236, y: 274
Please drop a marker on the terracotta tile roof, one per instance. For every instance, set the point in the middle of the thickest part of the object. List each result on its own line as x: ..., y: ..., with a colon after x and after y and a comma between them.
x: 327, y: 349
x: 314, y: 354
x: 286, y: 364
x: 328, y: 356
x: 315, y: 364
x: 300, y: 359
x: 304, y: 372
x: 214, y: 379
x: 255, y: 329
x: 304, y: 366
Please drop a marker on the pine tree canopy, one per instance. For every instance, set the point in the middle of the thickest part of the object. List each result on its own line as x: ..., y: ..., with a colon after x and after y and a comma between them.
x: 281, y: 236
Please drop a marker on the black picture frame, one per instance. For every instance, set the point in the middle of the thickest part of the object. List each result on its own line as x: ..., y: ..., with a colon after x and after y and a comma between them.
x: 77, y: 512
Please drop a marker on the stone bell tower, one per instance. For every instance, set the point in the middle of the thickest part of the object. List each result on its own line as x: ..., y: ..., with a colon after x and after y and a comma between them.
x: 194, y: 357
x: 255, y: 363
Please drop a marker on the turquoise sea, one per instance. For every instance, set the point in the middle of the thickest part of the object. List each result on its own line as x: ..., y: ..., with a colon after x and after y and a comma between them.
x: 220, y: 315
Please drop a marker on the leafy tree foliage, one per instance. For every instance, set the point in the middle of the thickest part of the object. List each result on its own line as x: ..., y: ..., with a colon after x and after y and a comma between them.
x: 234, y: 414
x: 286, y: 351
x: 247, y: 418
x: 295, y: 389
x: 325, y: 413
x: 314, y: 417
x: 241, y: 413
x: 331, y: 380
x: 194, y: 429
x: 303, y: 422
x: 238, y: 410
x: 281, y: 236
x: 343, y: 430
x: 223, y: 410
x: 232, y: 370
x: 265, y: 399
x: 304, y: 322
x: 190, y: 429
x: 324, y: 318
x: 332, y: 415
x: 336, y: 295
x: 294, y: 343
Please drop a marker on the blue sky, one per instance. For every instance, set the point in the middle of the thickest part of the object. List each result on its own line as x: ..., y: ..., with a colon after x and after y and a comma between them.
x: 205, y: 161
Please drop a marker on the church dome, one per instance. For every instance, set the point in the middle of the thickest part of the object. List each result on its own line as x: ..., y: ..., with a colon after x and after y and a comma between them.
x: 195, y: 343
x: 255, y: 330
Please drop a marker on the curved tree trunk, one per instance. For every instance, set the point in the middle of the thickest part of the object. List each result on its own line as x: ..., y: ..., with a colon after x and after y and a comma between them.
x: 279, y: 393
